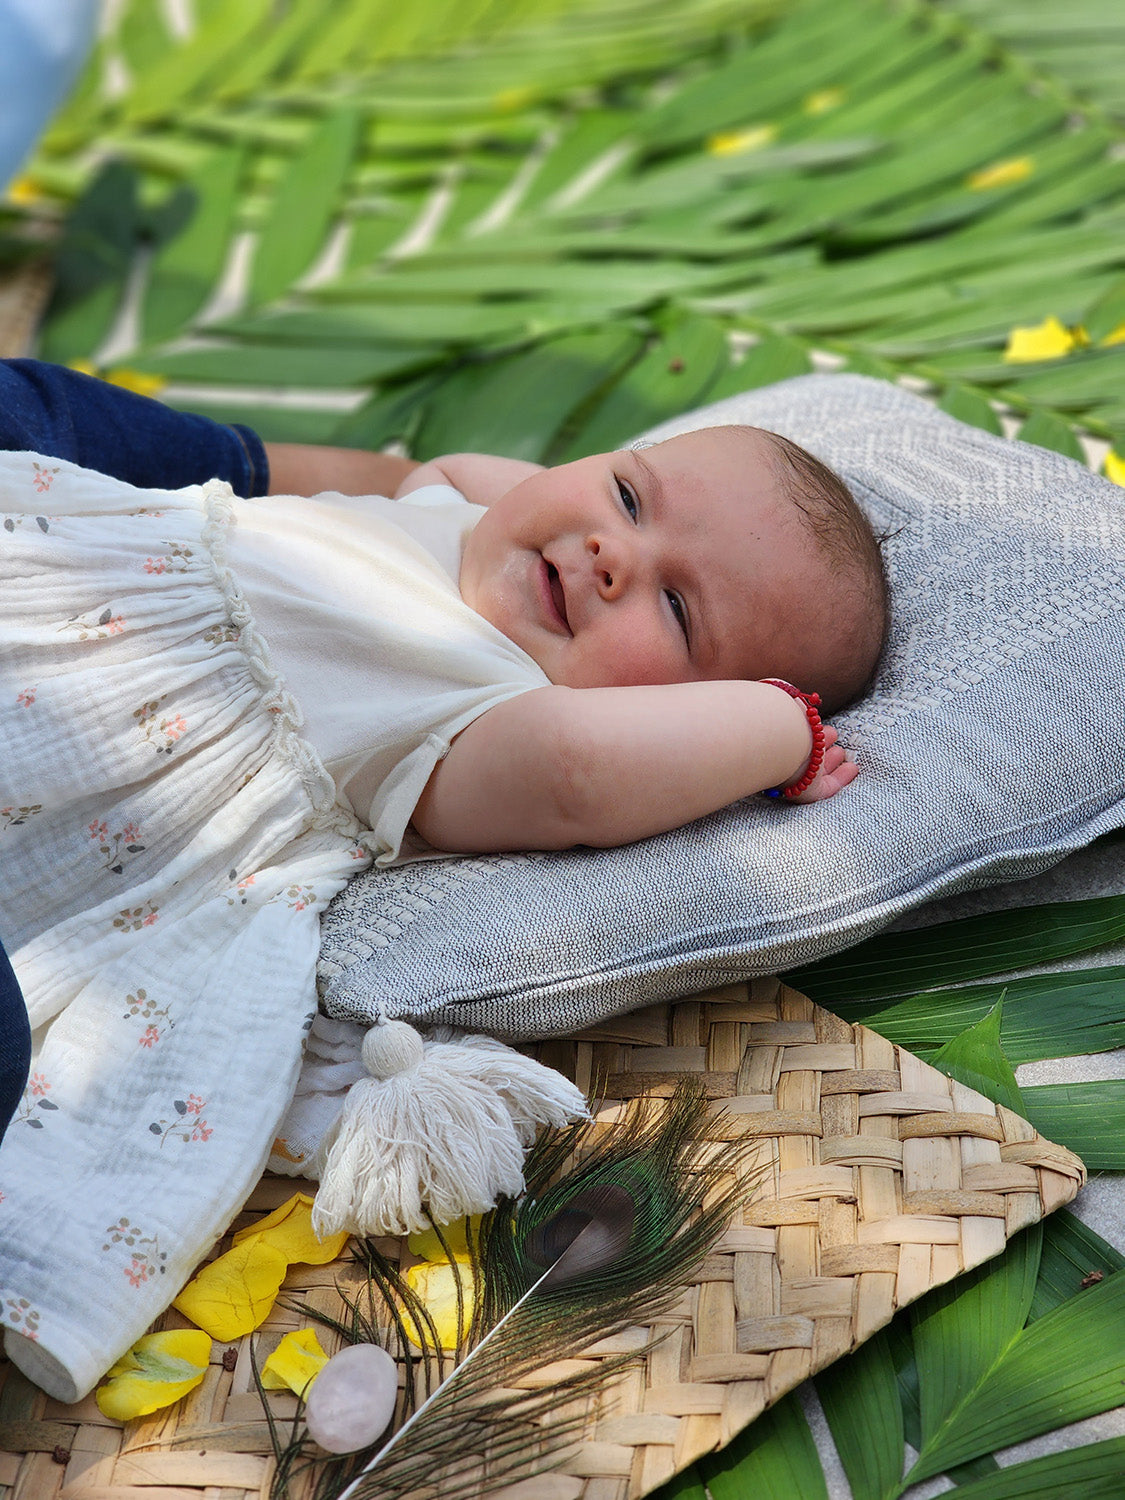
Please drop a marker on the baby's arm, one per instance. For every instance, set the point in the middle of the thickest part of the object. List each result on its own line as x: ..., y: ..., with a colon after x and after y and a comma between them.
x: 559, y: 766
x: 309, y: 469
x: 480, y: 477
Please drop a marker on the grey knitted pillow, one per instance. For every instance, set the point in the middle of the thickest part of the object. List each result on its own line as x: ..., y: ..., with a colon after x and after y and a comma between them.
x: 992, y: 746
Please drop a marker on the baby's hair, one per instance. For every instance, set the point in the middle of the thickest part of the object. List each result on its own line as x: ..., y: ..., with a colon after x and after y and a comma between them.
x: 846, y: 537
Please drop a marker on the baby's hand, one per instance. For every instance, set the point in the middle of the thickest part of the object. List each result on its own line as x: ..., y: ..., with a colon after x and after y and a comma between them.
x: 835, y: 772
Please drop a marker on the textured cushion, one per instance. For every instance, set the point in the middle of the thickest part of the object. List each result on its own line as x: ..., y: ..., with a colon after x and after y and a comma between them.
x: 992, y: 746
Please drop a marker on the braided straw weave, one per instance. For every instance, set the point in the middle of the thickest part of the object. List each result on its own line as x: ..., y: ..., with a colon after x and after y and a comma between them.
x: 875, y: 1178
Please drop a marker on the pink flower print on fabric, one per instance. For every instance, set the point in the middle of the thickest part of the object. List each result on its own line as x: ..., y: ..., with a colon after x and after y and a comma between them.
x: 176, y: 560
x: 21, y: 1317
x: 138, y: 1272
x: 160, y: 731
x: 133, y: 919
x: 219, y: 635
x: 297, y: 897
x: 43, y: 478
x: 143, y: 1007
x: 35, y: 1103
x: 26, y: 697
x: 188, y: 1124
x: 240, y: 897
x: 95, y: 628
x: 116, y: 848
x: 146, y: 1259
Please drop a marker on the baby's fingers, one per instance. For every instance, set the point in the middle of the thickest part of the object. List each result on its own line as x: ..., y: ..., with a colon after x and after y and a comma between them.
x: 836, y: 771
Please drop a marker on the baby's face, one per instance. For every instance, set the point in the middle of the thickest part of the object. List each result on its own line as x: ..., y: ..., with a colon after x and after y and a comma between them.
x: 678, y: 563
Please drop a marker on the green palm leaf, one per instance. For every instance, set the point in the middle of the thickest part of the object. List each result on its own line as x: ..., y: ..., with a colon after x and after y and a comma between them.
x: 775, y: 1458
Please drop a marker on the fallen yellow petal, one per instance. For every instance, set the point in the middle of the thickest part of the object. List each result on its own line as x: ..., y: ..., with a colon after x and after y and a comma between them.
x: 436, y: 1286
x: 823, y: 100
x: 289, y: 1230
x: 157, y: 1370
x: 1047, y: 340
x: 136, y: 380
x: 233, y: 1294
x: 295, y: 1363
x: 424, y: 1243
x: 1000, y: 174
x: 1115, y: 468
x: 733, y: 142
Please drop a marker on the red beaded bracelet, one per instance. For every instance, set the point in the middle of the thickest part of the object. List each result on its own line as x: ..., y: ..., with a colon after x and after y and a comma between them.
x: 811, y: 703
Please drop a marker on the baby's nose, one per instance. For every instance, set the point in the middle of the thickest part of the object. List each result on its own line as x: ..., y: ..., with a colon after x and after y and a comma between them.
x: 610, y: 566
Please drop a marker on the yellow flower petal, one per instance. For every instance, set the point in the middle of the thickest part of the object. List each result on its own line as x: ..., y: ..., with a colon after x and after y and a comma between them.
x: 295, y: 1363
x: 1047, y: 340
x: 23, y: 190
x: 514, y: 98
x: 436, y: 1286
x: 157, y: 1370
x: 823, y: 100
x: 289, y: 1230
x: 83, y: 366
x: 1116, y: 337
x: 137, y: 380
x: 425, y: 1244
x: 733, y: 142
x: 1115, y: 468
x: 1000, y: 174
x: 233, y: 1294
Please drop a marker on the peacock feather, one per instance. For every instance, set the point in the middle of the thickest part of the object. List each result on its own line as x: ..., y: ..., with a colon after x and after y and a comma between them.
x: 617, y: 1215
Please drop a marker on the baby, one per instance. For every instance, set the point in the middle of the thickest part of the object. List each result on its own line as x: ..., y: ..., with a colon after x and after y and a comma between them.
x: 655, y: 587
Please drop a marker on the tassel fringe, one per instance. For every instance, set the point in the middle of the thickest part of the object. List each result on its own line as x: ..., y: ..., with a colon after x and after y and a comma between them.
x: 438, y: 1132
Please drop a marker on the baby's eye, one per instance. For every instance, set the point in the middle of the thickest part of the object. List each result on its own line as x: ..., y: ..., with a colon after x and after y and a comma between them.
x: 628, y: 499
x: 679, y: 610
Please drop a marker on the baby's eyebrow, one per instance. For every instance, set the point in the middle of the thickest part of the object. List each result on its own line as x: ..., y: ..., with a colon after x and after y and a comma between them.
x: 654, y: 484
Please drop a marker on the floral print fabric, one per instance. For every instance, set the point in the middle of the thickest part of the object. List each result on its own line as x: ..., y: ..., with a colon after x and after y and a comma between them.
x: 167, y: 842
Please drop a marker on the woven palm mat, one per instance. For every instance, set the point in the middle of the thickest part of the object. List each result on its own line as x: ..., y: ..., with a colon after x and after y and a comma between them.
x: 875, y: 1178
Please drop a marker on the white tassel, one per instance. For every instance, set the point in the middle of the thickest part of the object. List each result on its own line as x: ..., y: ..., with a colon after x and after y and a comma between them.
x: 438, y: 1130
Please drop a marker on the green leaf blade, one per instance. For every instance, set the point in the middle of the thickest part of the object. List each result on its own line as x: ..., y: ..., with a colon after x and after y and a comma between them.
x: 304, y: 206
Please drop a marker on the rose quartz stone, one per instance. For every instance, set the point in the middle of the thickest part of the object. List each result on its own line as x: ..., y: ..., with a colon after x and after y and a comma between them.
x: 352, y: 1399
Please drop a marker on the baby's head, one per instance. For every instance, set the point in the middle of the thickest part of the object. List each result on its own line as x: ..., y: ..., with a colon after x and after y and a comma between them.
x: 723, y: 553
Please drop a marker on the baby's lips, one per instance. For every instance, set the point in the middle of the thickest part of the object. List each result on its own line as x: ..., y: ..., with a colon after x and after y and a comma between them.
x: 553, y: 594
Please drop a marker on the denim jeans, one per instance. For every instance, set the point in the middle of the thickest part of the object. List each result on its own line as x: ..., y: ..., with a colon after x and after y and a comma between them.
x: 48, y: 409
x: 15, y: 1043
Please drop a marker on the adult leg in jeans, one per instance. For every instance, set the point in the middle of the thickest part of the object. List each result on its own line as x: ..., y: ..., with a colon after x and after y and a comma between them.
x: 15, y: 1042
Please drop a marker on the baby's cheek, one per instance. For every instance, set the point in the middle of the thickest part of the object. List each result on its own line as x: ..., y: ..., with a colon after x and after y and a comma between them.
x: 634, y: 659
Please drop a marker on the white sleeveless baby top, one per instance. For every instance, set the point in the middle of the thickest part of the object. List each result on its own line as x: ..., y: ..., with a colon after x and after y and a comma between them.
x: 357, y: 600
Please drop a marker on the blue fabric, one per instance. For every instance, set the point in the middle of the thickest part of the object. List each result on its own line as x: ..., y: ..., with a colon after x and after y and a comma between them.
x: 49, y: 409
x: 15, y: 1043
x: 43, y: 44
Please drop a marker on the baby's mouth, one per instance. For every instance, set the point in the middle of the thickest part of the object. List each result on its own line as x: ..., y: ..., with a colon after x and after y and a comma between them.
x: 558, y: 596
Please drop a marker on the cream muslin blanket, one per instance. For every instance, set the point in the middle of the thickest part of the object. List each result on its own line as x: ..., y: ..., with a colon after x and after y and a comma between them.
x: 167, y: 843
